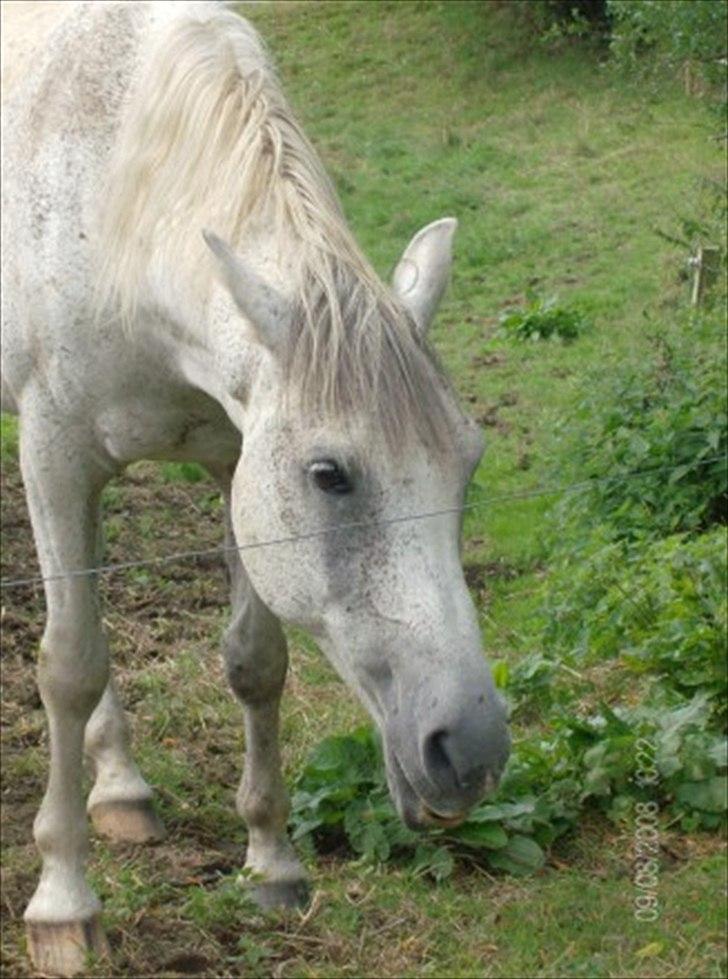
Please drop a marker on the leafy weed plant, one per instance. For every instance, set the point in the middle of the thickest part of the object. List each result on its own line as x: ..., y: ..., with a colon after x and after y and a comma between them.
x: 543, y: 319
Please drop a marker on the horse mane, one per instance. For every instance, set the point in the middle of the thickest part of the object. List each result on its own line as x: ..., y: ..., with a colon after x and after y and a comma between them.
x: 209, y: 141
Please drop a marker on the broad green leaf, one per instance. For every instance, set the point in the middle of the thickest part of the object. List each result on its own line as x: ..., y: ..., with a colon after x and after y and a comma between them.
x: 710, y: 796
x: 491, y: 836
x: 521, y: 855
x: 434, y: 860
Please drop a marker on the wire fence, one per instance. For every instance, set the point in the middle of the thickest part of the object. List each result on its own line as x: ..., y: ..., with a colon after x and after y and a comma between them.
x: 582, y: 486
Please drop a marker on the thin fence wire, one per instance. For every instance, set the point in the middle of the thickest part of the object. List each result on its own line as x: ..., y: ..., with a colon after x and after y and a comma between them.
x: 582, y: 486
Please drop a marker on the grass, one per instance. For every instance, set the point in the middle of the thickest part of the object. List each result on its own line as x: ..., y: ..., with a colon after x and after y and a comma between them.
x: 560, y: 174
x: 8, y: 437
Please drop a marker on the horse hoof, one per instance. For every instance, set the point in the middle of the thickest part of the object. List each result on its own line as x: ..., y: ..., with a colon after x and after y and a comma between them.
x: 128, y: 821
x: 62, y: 948
x: 281, y: 894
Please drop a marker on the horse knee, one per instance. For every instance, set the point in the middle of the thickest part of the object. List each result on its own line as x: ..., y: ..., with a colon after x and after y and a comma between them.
x: 73, y: 668
x: 256, y: 659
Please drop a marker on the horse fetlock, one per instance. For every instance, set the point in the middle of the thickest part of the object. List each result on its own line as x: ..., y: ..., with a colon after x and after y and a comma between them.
x: 59, y: 837
x: 75, y: 634
x: 262, y: 810
x: 105, y: 737
x: 62, y: 894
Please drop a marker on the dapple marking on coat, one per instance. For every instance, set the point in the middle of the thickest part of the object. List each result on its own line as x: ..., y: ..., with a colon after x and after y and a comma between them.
x: 269, y: 351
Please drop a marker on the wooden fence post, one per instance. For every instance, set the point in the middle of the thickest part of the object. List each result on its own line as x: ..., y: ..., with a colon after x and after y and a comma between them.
x: 705, y: 271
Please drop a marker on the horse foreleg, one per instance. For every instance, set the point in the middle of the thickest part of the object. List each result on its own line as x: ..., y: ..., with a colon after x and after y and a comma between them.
x: 120, y: 802
x: 277, y: 876
x: 256, y: 661
x: 63, y: 487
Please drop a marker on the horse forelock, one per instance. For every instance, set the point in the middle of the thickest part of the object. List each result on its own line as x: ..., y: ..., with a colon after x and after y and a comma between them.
x: 355, y: 352
x: 208, y: 140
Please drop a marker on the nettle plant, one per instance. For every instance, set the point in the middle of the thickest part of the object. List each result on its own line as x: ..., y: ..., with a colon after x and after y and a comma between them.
x: 341, y: 798
x: 658, y: 610
x: 585, y: 761
x: 543, y: 319
x: 654, y: 441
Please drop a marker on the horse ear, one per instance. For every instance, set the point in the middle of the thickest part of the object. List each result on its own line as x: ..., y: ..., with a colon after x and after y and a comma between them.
x: 423, y: 271
x: 267, y: 311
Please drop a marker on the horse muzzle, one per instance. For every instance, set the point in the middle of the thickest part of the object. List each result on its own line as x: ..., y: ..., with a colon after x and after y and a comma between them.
x: 450, y: 769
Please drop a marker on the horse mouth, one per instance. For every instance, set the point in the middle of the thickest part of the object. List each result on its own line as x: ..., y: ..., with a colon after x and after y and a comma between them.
x: 428, y: 817
x: 415, y: 812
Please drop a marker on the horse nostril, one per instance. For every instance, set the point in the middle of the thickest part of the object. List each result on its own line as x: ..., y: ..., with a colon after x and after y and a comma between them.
x: 459, y: 766
x: 438, y: 762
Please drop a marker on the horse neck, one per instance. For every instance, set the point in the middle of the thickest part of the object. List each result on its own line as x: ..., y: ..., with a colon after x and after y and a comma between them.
x: 216, y: 351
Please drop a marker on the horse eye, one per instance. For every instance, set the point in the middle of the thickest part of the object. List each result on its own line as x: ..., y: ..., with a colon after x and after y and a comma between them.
x: 329, y: 477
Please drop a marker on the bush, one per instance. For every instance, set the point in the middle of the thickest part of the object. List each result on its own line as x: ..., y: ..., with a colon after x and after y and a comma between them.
x: 643, y: 35
x: 666, y: 752
x: 664, y: 420
x: 554, y: 20
x: 667, y: 33
x: 660, y: 609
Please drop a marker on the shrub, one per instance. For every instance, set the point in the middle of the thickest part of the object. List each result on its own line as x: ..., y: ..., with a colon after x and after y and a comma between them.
x: 665, y: 420
x: 659, y: 609
x: 644, y: 36
x: 686, y: 760
x: 667, y: 33
x: 554, y: 20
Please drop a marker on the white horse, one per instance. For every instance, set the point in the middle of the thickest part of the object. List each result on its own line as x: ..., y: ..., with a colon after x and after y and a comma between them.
x: 273, y: 355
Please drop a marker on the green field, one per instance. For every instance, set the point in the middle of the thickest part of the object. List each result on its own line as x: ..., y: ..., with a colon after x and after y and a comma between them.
x: 567, y: 180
